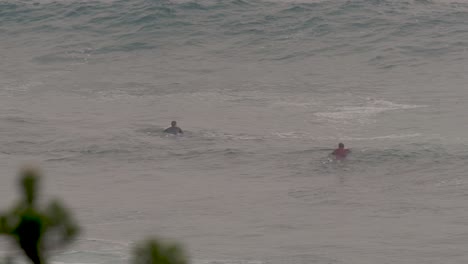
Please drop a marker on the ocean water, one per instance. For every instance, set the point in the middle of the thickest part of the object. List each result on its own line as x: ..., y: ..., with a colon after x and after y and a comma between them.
x: 264, y: 90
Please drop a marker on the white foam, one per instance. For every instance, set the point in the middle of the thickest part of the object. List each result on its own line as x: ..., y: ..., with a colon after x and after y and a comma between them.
x: 366, y: 111
x: 291, y: 135
x: 393, y: 136
x: 210, y: 134
x: 297, y: 135
x: 451, y: 182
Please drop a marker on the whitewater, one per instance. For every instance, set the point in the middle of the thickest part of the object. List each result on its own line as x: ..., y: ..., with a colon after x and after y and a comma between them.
x: 264, y: 91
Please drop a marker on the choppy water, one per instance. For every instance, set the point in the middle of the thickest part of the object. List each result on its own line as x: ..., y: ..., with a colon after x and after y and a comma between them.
x: 264, y: 91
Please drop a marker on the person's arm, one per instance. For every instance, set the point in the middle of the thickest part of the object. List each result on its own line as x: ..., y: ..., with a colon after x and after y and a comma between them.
x: 180, y: 131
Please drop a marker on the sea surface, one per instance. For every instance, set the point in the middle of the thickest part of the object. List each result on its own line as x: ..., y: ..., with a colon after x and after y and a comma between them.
x: 264, y: 91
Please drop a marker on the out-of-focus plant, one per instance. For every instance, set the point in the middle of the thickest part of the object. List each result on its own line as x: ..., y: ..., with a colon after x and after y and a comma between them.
x: 153, y: 251
x: 34, y: 229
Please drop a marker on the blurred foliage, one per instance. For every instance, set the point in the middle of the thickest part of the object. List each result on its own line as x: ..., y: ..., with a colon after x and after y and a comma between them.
x: 155, y: 252
x: 36, y: 230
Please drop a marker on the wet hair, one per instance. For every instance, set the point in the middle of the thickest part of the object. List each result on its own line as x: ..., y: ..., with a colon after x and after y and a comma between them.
x: 341, y: 145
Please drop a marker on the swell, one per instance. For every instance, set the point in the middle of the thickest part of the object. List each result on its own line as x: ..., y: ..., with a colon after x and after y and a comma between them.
x: 387, y: 33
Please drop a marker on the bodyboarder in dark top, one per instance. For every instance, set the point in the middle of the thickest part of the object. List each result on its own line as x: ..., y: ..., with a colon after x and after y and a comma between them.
x: 174, y: 129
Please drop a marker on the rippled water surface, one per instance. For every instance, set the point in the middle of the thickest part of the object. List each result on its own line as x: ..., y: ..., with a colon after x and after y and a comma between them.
x: 264, y: 92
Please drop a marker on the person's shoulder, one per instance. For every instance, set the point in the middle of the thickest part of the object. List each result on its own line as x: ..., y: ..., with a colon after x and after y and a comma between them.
x: 169, y: 130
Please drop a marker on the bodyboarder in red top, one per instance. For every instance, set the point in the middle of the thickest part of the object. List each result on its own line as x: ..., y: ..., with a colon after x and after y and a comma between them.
x: 340, y: 153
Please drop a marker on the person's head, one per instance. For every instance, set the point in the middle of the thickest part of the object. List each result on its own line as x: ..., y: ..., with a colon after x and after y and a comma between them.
x: 341, y: 145
x: 173, y: 123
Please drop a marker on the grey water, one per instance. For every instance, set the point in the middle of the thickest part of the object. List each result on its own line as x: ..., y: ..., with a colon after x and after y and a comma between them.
x: 264, y: 91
